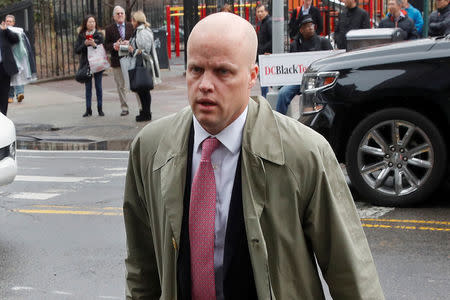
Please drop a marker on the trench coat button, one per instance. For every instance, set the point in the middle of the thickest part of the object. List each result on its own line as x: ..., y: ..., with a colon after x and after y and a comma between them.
x: 174, y: 243
x: 255, y: 242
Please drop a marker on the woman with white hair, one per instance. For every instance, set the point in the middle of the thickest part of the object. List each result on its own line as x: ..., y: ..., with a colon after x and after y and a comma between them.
x: 142, y: 43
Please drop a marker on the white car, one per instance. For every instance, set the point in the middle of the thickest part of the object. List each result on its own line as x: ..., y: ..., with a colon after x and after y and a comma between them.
x: 8, y: 164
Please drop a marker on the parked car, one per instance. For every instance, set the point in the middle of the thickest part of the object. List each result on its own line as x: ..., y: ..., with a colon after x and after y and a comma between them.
x: 172, y: 33
x: 8, y: 164
x: 386, y: 112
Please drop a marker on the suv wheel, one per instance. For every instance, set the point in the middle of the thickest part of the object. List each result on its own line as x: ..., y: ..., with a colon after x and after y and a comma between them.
x: 396, y: 157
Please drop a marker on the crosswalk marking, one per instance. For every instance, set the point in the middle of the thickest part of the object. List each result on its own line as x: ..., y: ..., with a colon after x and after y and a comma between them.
x: 61, y: 179
x: 33, y: 196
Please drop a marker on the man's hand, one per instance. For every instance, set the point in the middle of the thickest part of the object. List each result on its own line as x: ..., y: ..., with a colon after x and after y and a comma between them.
x: 3, y: 26
x: 116, y: 45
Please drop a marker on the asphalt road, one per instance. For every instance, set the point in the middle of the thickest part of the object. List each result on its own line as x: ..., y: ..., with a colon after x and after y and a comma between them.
x: 62, y: 233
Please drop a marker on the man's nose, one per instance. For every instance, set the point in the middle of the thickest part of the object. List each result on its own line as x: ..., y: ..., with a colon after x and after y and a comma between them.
x: 206, y: 83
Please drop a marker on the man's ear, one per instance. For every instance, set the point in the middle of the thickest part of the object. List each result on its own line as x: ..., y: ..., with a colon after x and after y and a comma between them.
x: 253, y: 75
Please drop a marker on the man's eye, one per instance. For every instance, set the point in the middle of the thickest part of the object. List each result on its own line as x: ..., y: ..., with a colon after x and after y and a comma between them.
x: 196, y: 70
x: 223, y: 71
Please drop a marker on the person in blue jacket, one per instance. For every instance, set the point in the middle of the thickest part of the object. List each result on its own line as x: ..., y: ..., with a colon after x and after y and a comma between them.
x: 415, y: 15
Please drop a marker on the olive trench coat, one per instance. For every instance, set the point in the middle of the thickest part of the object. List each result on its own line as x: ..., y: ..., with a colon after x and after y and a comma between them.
x: 296, y: 204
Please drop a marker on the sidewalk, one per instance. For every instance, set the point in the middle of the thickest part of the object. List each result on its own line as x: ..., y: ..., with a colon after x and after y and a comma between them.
x: 50, y: 116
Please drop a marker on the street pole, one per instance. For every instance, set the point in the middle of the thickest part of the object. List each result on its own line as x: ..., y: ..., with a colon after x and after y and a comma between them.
x: 190, y: 19
x: 426, y: 13
x: 277, y: 27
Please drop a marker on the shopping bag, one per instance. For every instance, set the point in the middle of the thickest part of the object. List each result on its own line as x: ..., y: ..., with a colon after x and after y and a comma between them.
x: 141, y: 78
x: 97, y: 59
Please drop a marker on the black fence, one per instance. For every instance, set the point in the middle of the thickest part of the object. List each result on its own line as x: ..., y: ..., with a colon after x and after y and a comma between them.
x: 52, y: 27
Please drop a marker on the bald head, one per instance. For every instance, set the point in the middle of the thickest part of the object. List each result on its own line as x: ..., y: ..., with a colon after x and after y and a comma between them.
x: 228, y: 28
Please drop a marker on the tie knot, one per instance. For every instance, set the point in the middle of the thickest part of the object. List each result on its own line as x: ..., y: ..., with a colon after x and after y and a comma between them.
x: 208, y: 147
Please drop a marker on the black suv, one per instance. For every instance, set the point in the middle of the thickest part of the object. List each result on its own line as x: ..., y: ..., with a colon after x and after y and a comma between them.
x: 386, y: 112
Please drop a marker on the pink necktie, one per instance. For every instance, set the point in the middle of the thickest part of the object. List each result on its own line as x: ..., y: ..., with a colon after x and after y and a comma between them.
x: 202, y: 213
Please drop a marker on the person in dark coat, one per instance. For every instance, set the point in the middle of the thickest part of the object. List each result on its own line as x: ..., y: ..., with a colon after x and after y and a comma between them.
x: 440, y: 19
x: 306, y: 40
x: 297, y: 15
x: 397, y: 19
x: 89, y: 36
x: 352, y: 17
x: 116, y: 34
x: 264, y: 32
x: 8, y: 65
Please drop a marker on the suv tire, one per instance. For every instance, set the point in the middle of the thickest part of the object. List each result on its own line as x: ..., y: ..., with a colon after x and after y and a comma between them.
x: 396, y: 157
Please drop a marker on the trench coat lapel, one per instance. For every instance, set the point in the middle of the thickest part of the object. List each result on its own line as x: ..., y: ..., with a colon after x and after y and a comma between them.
x: 261, y: 144
x: 171, y: 160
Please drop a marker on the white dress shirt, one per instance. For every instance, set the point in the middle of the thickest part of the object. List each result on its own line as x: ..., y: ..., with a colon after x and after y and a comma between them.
x: 305, y: 10
x: 224, y: 161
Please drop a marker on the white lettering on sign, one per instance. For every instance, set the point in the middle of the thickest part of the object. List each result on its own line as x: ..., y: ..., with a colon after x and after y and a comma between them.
x: 288, y: 68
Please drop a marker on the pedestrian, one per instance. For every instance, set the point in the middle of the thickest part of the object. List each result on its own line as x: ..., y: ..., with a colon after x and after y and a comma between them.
x: 352, y: 17
x: 228, y: 200
x: 227, y: 8
x: 264, y: 32
x: 415, y: 15
x: 8, y: 66
x: 17, y: 90
x: 397, y: 19
x: 306, y: 40
x: 440, y: 19
x: 90, y: 36
x: 142, y: 43
x: 118, y: 33
x: 297, y: 15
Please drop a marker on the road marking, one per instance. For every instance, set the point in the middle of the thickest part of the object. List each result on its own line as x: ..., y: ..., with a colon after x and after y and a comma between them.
x: 115, y: 169
x: 74, y: 157
x: 108, y: 297
x: 71, y: 151
x: 117, y: 211
x: 67, y: 212
x: 22, y: 288
x: 117, y: 174
x: 62, y: 179
x: 61, y: 293
x: 76, y: 207
x: 405, y: 227
x: 407, y: 221
x: 33, y: 196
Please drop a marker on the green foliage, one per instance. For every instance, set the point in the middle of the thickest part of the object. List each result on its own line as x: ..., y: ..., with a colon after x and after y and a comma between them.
x: 4, y: 3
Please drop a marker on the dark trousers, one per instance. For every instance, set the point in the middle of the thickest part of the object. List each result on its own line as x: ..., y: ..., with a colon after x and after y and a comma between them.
x: 98, y: 90
x: 5, y: 80
x: 146, y: 101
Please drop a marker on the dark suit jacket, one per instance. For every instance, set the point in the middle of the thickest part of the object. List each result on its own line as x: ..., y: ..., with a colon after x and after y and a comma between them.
x: 111, y: 36
x: 294, y: 22
x: 7, y: 39
x: 238, y: 280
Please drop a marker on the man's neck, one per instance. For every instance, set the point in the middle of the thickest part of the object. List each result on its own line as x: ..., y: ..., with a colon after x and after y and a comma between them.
x: 397, y: 15
x: 306, y: 7
x: 120, y: 24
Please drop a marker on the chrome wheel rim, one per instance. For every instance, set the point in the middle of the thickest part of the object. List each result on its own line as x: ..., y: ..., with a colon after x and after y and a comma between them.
x: 395, y: 158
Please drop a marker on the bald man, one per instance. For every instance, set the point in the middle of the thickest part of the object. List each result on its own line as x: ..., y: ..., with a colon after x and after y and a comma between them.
x: 229, y: 200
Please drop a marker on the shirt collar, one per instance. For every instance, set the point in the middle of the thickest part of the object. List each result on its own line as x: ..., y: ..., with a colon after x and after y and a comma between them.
x: 230, y: 136
x: 118, y: 25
